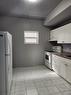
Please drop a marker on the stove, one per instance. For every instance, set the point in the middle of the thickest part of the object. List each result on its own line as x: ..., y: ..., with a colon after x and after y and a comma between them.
x: 48, y: 59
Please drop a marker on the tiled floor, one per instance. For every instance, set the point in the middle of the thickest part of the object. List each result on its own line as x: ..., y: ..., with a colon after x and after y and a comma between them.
x: 38, y: 80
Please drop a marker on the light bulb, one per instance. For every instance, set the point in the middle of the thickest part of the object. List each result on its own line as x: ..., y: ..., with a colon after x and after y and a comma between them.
x: 33, y: 1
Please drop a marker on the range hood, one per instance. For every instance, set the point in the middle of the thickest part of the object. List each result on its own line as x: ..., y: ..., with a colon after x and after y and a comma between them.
x: 53, y: 42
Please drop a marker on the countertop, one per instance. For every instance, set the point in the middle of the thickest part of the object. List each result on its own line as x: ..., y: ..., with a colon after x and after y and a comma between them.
x: 63, y: 54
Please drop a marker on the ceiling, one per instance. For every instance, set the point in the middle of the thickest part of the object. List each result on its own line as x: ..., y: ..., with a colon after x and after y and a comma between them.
x: 24, y: 8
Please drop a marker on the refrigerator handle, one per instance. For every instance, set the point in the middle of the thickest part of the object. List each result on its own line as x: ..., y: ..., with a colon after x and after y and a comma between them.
x: 1, y: 35
x: 7, y: 54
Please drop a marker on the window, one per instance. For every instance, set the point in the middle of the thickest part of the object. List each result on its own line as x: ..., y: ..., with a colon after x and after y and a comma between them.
x: 31, y: 37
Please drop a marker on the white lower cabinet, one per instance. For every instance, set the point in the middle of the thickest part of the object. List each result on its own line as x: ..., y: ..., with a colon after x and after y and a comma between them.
x: 62, y: 67
x: 55, y: 64
x: 68, y: 72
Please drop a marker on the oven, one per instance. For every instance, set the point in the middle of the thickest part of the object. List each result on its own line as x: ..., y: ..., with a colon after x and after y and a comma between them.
x: 48, y: 59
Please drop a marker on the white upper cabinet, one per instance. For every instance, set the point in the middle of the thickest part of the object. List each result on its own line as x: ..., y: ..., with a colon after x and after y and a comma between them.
x: 53, y: 35
x: 62, y: 34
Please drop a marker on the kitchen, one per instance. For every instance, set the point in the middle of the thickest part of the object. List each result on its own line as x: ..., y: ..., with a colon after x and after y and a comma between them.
x: 41, y: 47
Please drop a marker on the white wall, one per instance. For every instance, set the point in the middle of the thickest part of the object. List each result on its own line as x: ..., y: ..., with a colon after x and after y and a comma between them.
x: 26, y: 55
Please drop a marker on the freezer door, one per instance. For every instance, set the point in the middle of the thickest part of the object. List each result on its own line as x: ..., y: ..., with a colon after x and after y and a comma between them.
x: 8, y: 38
x: 2, y: 66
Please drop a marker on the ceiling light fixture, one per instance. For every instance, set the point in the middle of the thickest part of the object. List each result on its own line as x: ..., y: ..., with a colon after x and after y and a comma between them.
x: 33, y: 1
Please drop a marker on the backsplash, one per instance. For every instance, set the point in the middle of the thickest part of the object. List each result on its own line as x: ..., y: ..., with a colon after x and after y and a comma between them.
x: 67, y: 48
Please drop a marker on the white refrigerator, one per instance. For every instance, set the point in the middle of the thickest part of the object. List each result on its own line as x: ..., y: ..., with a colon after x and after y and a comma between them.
x: 5, y: 63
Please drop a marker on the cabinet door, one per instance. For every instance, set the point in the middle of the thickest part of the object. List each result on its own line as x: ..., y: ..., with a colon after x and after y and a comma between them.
x: 68, y: 71
x: 61, y: 37
x: 55, y: 64
x: 65, y: 34
x: 62, y: 34
x: 62, y: 69
x: 62, y: 66
x: 58, y: 65
x: 57, y: 35
x: 53, y: 35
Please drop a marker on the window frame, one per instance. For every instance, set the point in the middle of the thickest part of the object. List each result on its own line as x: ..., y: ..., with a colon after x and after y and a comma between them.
x: 30, y: 37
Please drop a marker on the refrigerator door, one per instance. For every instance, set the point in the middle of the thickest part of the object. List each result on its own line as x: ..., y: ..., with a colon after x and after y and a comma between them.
x: 8, y: 78
x: 8, y: 56
x: 2, y: 66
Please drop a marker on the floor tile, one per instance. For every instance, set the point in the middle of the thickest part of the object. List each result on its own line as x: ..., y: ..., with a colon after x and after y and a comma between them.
x: 56, y: 94
x: 62, y: 87
x: 43, y: 91
x: 32, y: 92
x: 38, y: 80
x: 52, y: 90
x: 66, y: 93
x: 20, y: 93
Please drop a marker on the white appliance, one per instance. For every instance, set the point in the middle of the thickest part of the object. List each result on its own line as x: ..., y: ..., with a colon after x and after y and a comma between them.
x: 5, y: 63
x: 48, y: 59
